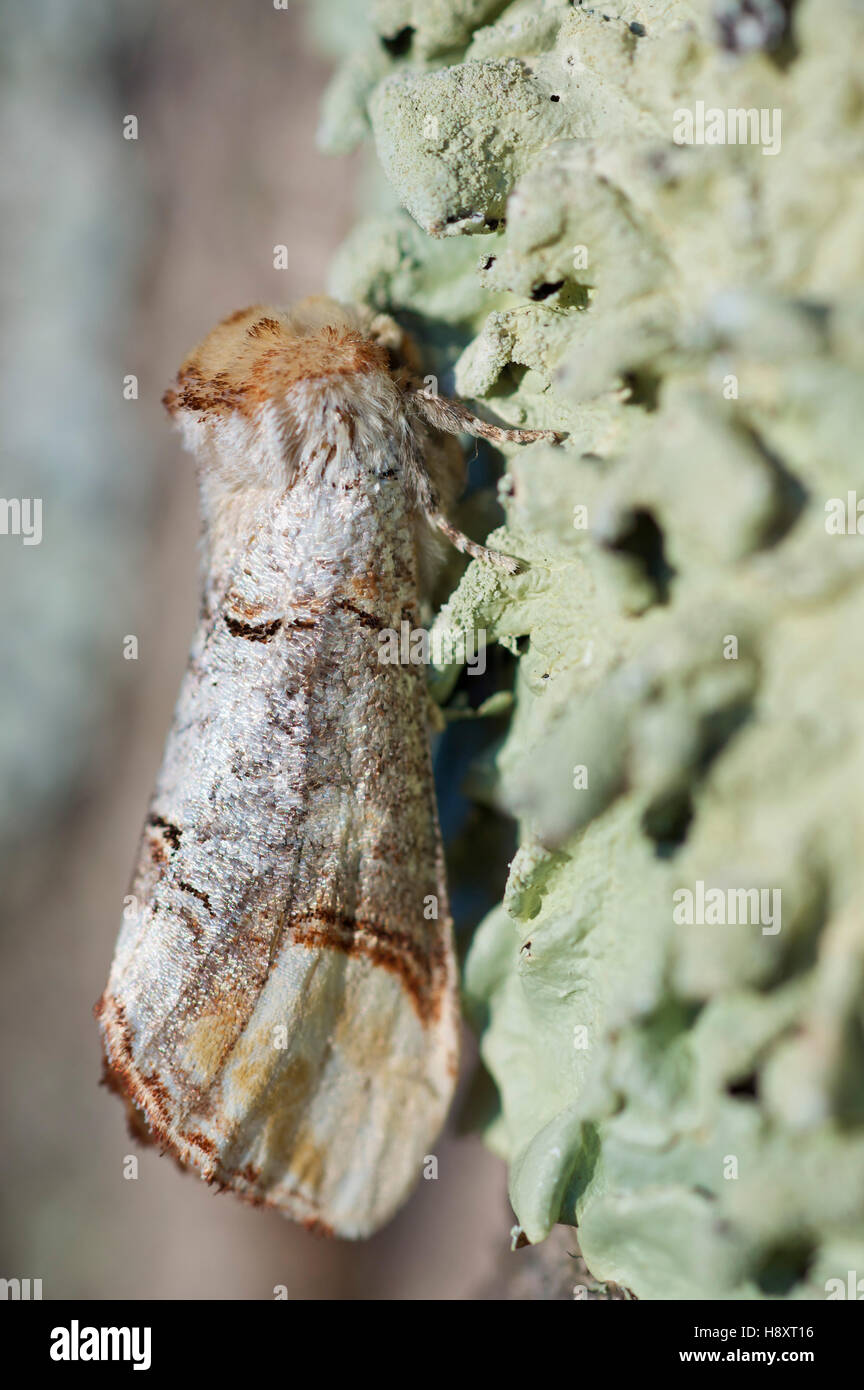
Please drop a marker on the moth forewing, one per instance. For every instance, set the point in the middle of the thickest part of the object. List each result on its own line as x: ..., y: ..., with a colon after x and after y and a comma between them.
x: 281, y: 1011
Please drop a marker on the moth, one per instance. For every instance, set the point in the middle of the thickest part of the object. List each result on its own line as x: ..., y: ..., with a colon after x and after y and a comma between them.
x: 281, y: 1012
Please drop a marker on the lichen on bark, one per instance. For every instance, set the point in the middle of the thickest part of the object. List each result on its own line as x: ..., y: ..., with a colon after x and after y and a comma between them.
x: 688, y: 699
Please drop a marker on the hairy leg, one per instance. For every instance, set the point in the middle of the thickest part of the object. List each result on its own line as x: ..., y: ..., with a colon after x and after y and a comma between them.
x: 452, y: 417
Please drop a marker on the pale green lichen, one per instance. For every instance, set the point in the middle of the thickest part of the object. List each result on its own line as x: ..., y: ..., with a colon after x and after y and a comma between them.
x: 692, y: 317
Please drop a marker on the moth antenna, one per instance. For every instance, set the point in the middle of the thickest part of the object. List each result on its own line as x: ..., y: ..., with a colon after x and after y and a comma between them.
x: 452, y: 417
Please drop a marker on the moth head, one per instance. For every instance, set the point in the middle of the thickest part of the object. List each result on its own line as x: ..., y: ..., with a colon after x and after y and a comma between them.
x: 244, y: 398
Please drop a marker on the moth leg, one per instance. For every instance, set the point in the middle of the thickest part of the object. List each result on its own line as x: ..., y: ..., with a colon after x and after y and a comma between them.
x: 464, y: 543
x: 452, y: 417
x: 430, y: 506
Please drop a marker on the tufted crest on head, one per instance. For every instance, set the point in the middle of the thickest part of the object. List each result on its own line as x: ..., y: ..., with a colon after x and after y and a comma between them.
x: 258, y: 354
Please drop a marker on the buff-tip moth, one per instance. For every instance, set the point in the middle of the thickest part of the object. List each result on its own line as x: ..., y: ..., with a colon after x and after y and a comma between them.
x: 281, y: 1012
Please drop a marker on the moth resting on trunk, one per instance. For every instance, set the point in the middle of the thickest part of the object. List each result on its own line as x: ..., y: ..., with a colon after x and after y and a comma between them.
x: 281, y: 1012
